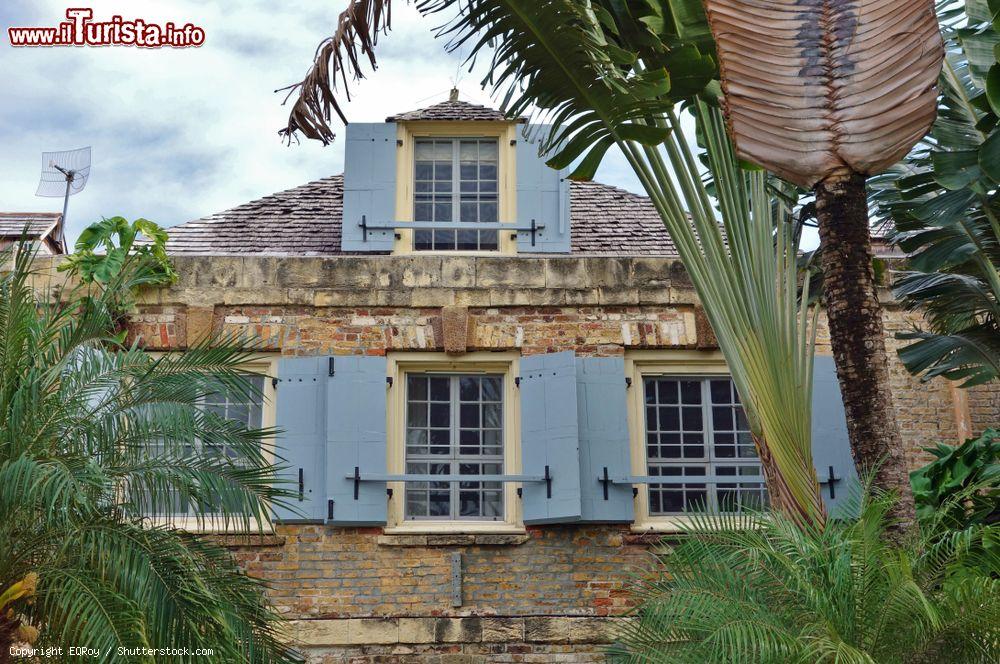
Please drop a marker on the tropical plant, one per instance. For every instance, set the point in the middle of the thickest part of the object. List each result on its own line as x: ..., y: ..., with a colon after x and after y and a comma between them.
x: 80, y: 416
x: 761, y: 589
x: 110, y: 247
x: 611, y: 74
x: 962, y: 481
x: 943, y: 203
x: 824, y: 95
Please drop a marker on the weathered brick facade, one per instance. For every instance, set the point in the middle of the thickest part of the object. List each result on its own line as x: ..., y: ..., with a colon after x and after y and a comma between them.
x: 552, y: 595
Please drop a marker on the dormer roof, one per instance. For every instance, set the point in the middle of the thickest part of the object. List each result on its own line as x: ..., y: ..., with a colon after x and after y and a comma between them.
x: 451, y: 111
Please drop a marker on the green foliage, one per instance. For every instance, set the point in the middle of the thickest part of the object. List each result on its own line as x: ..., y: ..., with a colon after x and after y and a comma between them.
x: 943, y: 202
x: 962, y: 484
x: 107, y: 249
x: 598, y: 71
x: 79, y: 414
x: 764, y: 590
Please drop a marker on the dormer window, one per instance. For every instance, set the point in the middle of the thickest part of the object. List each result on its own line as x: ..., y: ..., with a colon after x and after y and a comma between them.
x: 456, y: 180
x: 453, y: 178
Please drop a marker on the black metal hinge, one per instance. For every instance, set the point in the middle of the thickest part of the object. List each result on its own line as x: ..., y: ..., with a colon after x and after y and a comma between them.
x: 332, y: 369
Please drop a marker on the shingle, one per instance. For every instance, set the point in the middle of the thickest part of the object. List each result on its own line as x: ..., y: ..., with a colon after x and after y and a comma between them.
x: 37, y: 223
x: 450, y: 110
x: 306, y: 221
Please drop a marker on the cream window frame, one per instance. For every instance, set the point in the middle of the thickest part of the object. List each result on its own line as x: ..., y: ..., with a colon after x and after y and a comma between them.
x: 506, y: 364
x: 638, y: 364
x: 505, y: 133
x: 265, y: 364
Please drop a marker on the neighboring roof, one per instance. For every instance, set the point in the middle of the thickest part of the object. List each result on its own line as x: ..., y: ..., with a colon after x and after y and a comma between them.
x: 39, y: 224
x: 306, y: 221
x: 451, y: 110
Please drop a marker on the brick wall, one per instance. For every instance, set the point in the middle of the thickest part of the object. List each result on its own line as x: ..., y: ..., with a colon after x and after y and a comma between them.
x: 984, y: 407
x: 554, y: 595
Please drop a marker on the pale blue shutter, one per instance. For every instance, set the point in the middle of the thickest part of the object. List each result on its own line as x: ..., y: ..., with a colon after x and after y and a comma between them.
x: 356, y: 439
x: 542, y: 197
x: 300, y: 413
x: 549, y: 438
x: 604, y: 442
x: 369, y: 186
x: 830, y: 444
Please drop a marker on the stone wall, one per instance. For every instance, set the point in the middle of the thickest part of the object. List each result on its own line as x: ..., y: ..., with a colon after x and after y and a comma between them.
x: 555, y: 594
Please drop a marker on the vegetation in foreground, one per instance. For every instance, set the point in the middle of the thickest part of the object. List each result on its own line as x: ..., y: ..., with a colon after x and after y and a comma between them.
x: 80, y: 561
x: 761, y: 589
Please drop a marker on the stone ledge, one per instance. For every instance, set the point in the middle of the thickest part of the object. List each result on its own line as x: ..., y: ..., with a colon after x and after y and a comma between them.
x: 465, y: 629
x: 478, y: 539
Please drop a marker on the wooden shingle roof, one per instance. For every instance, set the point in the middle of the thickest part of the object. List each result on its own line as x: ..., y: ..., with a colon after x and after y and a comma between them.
x: 306, y: 221
x: 37, y: 224
x: 450, y: 110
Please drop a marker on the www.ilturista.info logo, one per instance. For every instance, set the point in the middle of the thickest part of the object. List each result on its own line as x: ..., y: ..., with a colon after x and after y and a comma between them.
x: 82, y: 30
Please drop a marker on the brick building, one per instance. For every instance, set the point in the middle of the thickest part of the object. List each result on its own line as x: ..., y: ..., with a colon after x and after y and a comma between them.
x: 464, y: 345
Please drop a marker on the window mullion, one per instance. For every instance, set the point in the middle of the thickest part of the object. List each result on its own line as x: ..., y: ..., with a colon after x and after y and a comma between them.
x: 453, y: 388
x: 456, y: 207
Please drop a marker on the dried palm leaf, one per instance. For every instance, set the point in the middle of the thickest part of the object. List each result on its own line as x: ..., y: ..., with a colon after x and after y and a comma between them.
x: 822, y: 87
x: 337, y: 57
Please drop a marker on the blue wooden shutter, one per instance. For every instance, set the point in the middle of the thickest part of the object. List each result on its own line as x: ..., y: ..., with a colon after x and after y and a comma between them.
x: 830, y: 444
x: 356, y: 438
x: 604, y: 442
x: 300, y: 412
x: 369, y: 185
x: 542, y: 196
x: 549, y: 437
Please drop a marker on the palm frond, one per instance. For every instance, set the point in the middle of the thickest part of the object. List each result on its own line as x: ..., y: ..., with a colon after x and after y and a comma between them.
x: 81, y: 418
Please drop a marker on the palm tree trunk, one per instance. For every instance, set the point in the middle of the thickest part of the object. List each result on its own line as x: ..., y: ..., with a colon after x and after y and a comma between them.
x: 857, y: 335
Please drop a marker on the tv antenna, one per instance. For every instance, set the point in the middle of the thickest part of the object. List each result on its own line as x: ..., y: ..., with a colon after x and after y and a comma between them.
x: 64, y: 174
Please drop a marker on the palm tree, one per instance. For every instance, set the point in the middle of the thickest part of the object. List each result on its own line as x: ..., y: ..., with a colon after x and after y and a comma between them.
x: 610, y: 74
x: 944, y: 205
x: 783, y: 594
x: 81, y: 561
x: 824, y: 94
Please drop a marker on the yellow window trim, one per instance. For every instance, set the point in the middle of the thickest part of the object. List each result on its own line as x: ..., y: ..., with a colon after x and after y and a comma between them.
x: 506, y: 134
x: 261, y: 363
x: 670, y: 362
x: 505, y: 363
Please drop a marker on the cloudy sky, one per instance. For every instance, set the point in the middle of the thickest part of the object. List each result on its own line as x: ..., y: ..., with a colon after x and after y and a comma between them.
x: 178, y: 134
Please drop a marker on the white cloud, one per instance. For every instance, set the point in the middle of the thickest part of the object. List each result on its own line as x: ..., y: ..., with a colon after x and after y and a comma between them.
x: 179, y: 134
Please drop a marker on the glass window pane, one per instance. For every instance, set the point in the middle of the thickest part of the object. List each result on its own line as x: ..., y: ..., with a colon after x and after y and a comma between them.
x: 436, y: 161
x: 440, y: 388
x: 461, y: 410
x: 678, y: 425
x: 491, y: 388
x: 488, y: 212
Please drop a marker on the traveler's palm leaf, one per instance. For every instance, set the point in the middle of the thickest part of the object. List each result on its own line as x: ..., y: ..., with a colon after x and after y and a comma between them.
x: 826, y: 87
